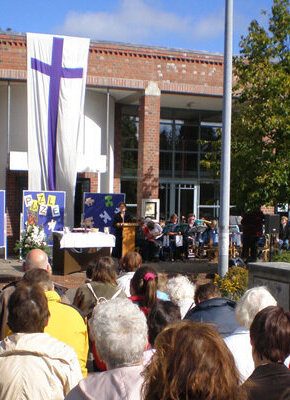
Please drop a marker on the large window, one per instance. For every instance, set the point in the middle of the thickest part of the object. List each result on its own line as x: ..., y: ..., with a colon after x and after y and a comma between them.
x: 179, y: 146
x: 186, y: 164
x: 184, y: 142
x: 129, y: 187
x: 209, y: 135
x: 178, y: 149
x: 129, y: 140
x: 166, y: 135
x: 182, y: 145
x: 209, y: 200
x: 186, y: 136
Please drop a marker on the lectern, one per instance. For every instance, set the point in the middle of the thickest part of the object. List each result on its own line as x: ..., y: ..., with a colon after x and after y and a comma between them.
x: 129, y: 229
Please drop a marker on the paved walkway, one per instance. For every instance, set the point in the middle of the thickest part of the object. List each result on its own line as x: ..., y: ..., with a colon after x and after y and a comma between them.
x: 11, y: 269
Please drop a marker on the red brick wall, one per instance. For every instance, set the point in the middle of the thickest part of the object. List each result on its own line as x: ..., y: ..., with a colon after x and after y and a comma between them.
x: 148, y: 149
x: 13, y: 53
x: 131, y: 67
x: 175, y: 71
x: 93, y: 177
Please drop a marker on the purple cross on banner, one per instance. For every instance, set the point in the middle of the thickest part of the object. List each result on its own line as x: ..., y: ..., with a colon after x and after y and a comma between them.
x: 55, y: 71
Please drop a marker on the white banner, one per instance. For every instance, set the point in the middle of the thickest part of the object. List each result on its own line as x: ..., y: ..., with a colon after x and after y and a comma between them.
x: 56, y: 83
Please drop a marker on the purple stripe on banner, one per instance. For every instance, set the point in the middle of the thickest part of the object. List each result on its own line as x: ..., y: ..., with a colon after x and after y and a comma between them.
x: 72, y: 73
x: 53, y: 99
x: 56, y: 72
x: 40, y: 66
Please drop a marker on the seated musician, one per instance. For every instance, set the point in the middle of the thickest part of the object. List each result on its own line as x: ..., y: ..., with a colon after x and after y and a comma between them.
x: 210, y: 236
x: 152, y: 232
x: 202, y: 234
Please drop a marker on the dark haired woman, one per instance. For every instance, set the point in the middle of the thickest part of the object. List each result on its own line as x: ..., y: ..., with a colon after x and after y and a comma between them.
x: 102, y: 287
x: 270, y: 340
x: 119, y: 219
x: 144, y: 288
x: 162, y: 314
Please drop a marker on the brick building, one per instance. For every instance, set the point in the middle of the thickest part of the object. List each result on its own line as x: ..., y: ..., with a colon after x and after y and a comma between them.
x: 147, y: 110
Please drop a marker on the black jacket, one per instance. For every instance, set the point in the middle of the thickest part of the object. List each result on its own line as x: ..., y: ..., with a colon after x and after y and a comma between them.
x: 118, y: 219
x: 218, y: 311
x: 284, y: 232
x: 268, y: 382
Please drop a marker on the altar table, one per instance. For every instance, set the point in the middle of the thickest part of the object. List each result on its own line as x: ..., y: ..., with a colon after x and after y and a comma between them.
x: 73, y: 251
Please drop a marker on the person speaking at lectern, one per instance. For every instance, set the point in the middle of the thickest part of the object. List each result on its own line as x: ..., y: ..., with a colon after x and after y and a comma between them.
x: 119, y: 219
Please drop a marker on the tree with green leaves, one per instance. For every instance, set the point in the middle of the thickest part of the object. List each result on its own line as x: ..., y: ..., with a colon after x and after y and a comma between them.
x: 261, y: 128
x: 260, y: 157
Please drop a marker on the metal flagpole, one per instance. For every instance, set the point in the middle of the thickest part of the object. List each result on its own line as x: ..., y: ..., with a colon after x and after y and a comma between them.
x: 8, y: 129
x: 108, y: 147
x: 226, y: 144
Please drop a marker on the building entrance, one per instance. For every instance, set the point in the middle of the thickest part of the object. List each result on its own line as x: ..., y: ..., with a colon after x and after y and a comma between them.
x: 179, y: 198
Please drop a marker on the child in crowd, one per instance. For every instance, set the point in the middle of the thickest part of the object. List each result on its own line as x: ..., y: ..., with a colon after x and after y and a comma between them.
x: 144, y: 288
x: 129, y: 264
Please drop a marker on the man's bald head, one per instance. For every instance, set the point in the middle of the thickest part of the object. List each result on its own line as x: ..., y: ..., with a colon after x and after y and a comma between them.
x: 36, y: 258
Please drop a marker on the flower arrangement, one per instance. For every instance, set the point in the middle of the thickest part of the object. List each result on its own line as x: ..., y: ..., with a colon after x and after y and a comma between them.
x: 32, y: 237
x: 234, y: 284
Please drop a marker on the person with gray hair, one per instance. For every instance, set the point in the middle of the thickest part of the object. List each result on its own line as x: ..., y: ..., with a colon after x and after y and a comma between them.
x: 181, y: 292
x: 253, y: 301
x: 119, y: 331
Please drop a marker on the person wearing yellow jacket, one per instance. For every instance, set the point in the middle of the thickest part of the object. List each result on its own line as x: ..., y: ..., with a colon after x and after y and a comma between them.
x: 65, y: 322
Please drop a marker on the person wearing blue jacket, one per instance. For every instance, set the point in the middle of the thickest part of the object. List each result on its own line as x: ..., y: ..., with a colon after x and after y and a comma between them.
x: 212, y: 308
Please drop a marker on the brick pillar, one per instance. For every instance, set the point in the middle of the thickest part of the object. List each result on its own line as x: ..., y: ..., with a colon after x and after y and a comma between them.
x: 148, y: 145
x: 117, y: 148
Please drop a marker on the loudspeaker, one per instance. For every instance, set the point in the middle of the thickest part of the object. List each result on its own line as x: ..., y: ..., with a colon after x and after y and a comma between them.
x: 272, y: 223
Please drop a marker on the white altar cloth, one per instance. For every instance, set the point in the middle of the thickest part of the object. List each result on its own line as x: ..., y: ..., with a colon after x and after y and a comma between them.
x: 85, y: 239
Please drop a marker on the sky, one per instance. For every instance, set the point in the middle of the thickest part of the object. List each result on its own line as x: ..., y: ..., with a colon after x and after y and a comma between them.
x: 193, y: 25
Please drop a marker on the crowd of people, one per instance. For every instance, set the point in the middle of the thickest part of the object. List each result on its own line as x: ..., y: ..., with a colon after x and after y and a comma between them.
x: 173, y: 240
x: 189, y: 237
x: 178, y: 342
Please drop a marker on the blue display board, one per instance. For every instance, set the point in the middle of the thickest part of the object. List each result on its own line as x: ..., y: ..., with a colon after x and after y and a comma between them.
x: 100, y: 208
x: 2, y: 219
x: 45, y: 209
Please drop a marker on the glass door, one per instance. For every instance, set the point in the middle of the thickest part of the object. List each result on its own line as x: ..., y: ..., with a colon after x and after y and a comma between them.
x: 178, y: 198
x: 186, y: 199
x: 164, y: 196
